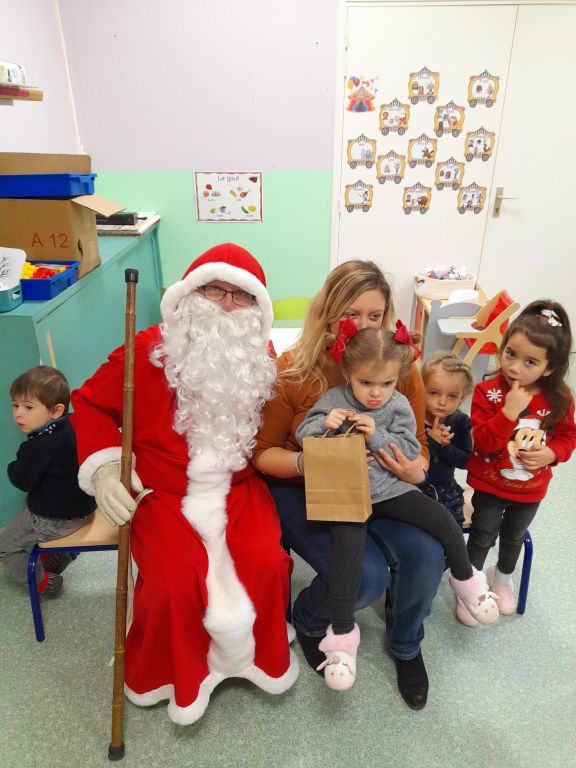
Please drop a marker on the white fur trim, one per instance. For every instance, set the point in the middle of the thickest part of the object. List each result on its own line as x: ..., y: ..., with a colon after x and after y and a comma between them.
x: 195, y: 710
x: 230, y: 614
x: 94, y: 462
x: 219, y: 270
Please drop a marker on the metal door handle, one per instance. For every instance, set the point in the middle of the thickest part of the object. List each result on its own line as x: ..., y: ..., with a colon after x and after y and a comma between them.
x: 498, y: 201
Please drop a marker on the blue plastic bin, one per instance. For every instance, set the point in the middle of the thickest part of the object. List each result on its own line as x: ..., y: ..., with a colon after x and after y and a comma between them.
x: 44, y: 288
x: 47, y: 184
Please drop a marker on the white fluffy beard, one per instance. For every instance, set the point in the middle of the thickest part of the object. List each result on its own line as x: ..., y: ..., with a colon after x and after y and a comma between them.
x: 218, y: 364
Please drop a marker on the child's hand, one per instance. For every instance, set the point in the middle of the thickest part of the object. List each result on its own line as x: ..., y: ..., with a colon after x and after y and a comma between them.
x: 517, y: 400
x: 364, y: 424
x: 336, y: 418
x: 536, y: 458
x: 440, y: 432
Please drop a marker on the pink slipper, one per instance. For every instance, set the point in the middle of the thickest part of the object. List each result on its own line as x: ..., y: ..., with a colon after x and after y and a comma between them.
x: 463, y: 615
x: 507, y: 603
x: 477, y: 599
x: 340, y: 665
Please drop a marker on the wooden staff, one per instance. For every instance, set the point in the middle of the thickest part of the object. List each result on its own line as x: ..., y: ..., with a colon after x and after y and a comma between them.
x: 116, y: 747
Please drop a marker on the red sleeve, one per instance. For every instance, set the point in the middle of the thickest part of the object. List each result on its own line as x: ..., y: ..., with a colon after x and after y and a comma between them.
x: 563, y: 438
x: 491, y: 429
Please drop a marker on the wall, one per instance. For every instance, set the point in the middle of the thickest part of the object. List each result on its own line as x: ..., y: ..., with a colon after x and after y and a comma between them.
x: 30, y: 34
x: 230, y: 86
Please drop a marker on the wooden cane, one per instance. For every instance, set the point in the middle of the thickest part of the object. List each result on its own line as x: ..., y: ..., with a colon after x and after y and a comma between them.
x: 116, y: 747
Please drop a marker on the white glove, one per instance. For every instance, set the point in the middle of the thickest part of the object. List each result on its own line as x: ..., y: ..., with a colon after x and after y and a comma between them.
x: 114, y: 501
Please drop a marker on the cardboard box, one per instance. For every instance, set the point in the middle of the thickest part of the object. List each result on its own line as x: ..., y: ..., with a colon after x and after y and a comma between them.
x: 53, y: 230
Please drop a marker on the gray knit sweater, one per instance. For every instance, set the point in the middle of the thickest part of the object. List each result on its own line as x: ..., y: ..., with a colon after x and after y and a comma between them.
x: 395, y: 423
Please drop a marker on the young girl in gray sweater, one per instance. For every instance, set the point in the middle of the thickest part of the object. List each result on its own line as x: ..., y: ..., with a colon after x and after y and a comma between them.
x: 373, y: 360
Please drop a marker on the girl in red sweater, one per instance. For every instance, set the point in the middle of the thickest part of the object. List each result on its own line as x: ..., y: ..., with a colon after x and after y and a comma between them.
x: 522, y: 425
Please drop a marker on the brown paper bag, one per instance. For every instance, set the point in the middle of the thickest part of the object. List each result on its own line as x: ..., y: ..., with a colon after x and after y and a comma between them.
x: 336, y: 478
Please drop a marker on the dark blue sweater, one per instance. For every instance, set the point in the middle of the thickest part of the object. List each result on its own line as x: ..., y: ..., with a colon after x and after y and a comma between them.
x: 46, y: 467
x: 445, y: 458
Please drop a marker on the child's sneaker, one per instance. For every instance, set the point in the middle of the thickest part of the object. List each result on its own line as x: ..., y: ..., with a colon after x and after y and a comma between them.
x: 340, y: 665
x: 507, y: 603
x: 477, y: 599
x: 51, y: 585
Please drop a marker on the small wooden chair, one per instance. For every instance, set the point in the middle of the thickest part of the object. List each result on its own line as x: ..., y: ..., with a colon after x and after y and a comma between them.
x: 483, y: 332
x: 95, y: 535
x: 434, y: 339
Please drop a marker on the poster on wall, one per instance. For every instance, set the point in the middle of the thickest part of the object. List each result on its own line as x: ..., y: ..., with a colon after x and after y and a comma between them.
x: 228, y: 196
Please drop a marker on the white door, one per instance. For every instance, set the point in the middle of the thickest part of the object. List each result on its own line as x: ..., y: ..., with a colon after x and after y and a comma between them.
x: 385, y: 46
x: 531, y: 247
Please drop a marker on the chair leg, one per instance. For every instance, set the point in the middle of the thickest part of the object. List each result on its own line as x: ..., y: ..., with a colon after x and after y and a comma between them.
x: 33, y: 593
x: 525, y: 578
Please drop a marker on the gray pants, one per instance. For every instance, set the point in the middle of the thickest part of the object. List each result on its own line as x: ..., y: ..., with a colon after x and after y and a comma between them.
x: 26, y: 529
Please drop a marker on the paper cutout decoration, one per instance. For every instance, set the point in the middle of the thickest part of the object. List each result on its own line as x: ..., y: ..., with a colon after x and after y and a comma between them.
x: 363, y: 93
x: 422, y: 151
x: 358, y: 196
x: 361, y: 151
x: 448, y: 119
x: 394, y: 117
x: 479, y: 143
x: 416, y: 198
x: 390, y: 167
x: 471, y: 198
x: 423, y: 86
x: 449, y: 174
x: 228, y: 196
x: 483, y: 89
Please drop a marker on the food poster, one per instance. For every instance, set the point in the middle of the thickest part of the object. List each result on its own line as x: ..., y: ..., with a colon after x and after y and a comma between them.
x: 228, y: 196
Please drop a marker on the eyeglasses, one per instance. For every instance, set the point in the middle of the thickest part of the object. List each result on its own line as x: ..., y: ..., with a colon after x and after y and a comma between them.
x: 215, y: 293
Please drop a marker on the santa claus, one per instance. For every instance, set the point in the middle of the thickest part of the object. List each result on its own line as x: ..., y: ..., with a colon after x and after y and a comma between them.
x: 212, y: 588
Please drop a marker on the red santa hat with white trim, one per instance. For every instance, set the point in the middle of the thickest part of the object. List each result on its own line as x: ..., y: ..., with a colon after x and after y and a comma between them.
x: 227, y: 262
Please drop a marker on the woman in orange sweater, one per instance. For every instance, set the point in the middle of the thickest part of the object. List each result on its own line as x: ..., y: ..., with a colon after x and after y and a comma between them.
x: 397, y: 557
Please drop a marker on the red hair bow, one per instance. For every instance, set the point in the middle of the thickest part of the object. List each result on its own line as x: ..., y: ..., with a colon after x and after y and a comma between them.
x: 402, y: 336
x: 346, y: 329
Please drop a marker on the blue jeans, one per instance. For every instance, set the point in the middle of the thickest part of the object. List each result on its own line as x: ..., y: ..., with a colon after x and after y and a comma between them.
x: 397, y: 557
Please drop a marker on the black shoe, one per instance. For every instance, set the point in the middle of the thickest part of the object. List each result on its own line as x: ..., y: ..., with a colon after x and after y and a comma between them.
x: 314, y: 656
x: 412, y: 681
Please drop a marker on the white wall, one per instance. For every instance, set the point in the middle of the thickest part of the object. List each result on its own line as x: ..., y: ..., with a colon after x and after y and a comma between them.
x: 189, y: 84
x: 30, y: 35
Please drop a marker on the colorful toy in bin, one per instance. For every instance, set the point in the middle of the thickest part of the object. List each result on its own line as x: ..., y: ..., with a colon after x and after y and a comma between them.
x: 11, y: 262
x: 43, y: 280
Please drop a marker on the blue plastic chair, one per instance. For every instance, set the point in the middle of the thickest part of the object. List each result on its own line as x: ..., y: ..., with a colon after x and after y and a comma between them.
x: 96, y: 535
x: 526, y: 568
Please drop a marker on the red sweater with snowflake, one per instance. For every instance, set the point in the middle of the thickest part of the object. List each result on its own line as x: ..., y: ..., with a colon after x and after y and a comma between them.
x: 493, y: 466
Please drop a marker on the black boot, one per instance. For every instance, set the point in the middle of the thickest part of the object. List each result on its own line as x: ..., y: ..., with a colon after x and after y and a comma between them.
x: 412, y: 681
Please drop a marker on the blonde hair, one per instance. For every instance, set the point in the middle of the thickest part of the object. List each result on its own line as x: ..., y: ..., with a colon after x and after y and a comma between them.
x: 449, y: 363
x: 376, y: 346
x: 341, y: 288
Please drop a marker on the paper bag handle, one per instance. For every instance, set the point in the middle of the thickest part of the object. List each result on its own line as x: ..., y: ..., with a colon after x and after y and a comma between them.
x: 348, y: 433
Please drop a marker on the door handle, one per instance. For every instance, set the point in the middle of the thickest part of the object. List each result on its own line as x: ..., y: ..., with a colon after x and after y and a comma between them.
x: 498, y: 201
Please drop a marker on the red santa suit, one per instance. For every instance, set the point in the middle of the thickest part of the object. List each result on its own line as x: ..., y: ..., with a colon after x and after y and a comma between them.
x: 213, y: 580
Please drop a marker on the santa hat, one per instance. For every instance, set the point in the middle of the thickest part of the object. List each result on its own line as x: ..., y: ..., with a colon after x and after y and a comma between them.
x: 229, y: 263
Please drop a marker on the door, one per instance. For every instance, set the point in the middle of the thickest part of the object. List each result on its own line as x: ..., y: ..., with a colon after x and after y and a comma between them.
x: 423, y: 89
x: 531, y: 247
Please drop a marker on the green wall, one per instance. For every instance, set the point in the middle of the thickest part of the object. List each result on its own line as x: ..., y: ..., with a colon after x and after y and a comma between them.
x: 292, y: 242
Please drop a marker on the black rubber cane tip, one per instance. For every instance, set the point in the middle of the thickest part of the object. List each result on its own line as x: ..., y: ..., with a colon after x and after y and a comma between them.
x: 116, y: 753
x: 131, y: 275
